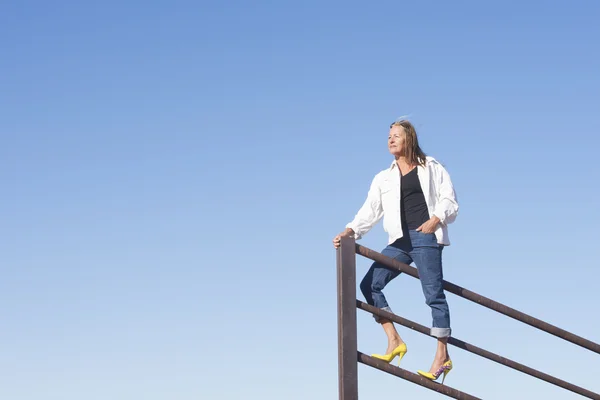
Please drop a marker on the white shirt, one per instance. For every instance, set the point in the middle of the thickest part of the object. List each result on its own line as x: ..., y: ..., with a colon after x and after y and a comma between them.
x: 384, y: 200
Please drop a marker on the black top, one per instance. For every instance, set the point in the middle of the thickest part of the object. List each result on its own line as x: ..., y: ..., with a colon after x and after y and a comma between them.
x: 414, y: 207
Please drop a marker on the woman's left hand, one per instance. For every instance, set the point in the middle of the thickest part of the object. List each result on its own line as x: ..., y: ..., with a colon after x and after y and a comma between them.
x: 429, y: 226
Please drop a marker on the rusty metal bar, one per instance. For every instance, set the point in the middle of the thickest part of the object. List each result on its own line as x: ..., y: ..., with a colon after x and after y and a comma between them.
x: 484, y: 301
x: 480, y: 352
x: 346, y: 311
x: 414, y: 378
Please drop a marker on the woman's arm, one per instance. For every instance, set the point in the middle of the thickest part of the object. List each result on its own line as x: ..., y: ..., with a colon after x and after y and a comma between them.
x: 370, y: 213
x: 446, y: 208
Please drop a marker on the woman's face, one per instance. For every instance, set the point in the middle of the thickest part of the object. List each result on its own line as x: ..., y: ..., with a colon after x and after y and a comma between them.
x: 396, y: 140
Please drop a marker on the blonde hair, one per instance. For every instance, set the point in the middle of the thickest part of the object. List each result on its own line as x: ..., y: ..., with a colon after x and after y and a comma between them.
x: 412, y: 151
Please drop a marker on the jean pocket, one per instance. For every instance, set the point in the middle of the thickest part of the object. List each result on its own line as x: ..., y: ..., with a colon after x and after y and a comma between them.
x: 424, y: 239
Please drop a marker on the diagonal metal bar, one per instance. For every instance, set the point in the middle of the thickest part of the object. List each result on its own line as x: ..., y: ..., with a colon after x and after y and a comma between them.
x: 480, y: 352
x: 484, y: 301
x: 414, y: 378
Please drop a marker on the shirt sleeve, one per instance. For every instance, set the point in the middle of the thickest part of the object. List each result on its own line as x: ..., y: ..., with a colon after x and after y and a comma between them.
x: 446, y: 208
x: 370, y: 213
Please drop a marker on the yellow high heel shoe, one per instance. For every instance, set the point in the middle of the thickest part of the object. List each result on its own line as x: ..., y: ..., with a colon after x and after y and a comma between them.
x: 398, y: 351
x: 445, y: 368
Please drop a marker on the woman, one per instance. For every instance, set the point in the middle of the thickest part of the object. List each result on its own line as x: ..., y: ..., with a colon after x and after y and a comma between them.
x: 417, y: 201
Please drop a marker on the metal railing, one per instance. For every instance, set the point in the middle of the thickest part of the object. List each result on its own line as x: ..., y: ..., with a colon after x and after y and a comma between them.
x: 349, y: 356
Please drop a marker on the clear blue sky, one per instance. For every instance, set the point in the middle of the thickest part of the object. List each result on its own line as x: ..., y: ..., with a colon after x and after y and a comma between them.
x: 173, y: 174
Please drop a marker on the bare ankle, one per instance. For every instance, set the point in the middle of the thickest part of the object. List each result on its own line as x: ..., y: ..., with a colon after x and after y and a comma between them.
x: 396, y: 341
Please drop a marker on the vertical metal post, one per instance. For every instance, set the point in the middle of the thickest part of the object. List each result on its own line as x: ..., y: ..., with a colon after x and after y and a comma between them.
x: 346, y: 310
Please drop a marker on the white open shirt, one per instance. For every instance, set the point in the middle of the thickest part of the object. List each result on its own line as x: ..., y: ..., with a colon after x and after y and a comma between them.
x: 383, y: 200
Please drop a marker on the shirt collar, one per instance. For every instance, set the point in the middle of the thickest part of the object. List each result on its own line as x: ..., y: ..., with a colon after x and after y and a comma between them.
x: 394, y: 165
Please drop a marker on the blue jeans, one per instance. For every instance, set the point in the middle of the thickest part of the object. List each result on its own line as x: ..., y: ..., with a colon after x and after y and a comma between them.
x: 426, y: 253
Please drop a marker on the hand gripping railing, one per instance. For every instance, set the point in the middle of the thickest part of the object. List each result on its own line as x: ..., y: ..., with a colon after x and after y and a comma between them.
x: 347, y: 338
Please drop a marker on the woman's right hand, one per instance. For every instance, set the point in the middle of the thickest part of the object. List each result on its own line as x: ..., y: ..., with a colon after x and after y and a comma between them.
x: 346, y: 233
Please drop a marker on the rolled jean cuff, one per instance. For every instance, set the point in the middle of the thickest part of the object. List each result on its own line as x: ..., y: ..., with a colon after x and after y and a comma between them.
x: 378, y: 318
x: 441, y: 332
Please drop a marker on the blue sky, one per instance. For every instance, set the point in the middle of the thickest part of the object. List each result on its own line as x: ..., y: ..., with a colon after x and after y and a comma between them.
x: 173, y: 174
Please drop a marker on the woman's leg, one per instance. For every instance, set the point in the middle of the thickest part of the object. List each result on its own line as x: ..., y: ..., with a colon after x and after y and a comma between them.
x: 372, y: 285
x: 428, y: 259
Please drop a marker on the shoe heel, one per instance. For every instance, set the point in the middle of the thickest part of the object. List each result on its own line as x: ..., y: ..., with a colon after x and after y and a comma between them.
x: 444, y: 377
x: 400, y: 357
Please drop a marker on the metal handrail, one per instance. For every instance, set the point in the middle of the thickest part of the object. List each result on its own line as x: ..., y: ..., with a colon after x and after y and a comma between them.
x: 349, y: 356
